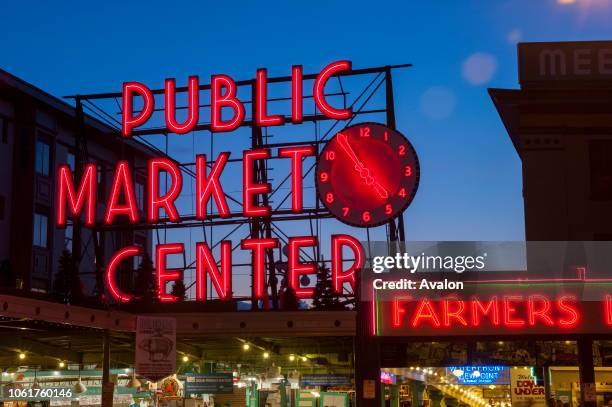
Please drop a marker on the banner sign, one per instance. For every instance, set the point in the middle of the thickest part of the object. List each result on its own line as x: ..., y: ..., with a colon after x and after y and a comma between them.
x: 208, y: 383
x: 155, y: 347
x: 524, y: 388
x: 314, y: 380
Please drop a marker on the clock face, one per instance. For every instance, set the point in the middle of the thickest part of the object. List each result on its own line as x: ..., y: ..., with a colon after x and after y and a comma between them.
x: 367, y: 174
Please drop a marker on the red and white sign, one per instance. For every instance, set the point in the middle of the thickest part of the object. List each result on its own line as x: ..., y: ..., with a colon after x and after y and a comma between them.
x: 155, y: 347
x: 524, y: 389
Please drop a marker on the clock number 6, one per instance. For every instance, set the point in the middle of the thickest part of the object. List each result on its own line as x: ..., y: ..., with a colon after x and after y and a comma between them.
x: 366, y: 216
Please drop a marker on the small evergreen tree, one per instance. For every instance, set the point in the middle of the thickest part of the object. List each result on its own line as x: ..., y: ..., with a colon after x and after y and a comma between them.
x: 179, y: 290
x: 324, y: 295
x: 67, y: 283
x: 289, y: 301
x: 145, y: 281
x: 7, y: 279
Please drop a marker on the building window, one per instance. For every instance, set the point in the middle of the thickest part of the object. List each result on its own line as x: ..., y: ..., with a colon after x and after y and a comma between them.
x: 2, y: 204
x: 43, y: 158
x: 41, y: 230
x: 68, y: 238
x: 71, y: 161
x: 600, y: 157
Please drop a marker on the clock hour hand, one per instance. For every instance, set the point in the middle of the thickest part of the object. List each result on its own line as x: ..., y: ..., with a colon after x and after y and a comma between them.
x: 364, y: 172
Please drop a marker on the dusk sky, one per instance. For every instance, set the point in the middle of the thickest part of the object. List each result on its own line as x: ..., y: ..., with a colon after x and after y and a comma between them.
x: 471, y: 175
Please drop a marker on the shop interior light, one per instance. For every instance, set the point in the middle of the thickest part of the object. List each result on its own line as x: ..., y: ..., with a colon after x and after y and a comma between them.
x: 22, y: 356
x: 458, y: 372
x: 315, y: 393
x: 304, y: 359
x: 291, y: 358
x: 61, y: 365
x: 185, y: 359
x: 266, y: 355
x: 246, y: 346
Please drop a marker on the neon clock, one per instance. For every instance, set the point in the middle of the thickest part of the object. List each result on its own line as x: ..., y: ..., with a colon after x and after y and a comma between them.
x: 367, y: 174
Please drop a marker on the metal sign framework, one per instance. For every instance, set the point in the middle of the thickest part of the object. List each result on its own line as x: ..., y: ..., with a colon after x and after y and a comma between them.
x: 259, y: 227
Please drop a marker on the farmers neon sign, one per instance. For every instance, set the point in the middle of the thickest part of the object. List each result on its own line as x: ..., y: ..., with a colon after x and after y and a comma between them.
x: 77, y: 198
x: 491, y: 314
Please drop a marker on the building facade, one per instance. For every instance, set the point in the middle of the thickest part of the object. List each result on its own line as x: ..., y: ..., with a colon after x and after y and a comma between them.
x: 37, y: 134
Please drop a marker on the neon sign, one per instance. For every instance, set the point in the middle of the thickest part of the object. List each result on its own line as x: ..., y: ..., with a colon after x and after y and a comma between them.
x: 77, y: 198
x: 479, y: 375
x: 223, y: 96
x: 493, y: 314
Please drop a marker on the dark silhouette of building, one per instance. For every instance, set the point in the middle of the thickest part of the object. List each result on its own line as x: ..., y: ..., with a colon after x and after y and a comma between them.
x: 37, y: 134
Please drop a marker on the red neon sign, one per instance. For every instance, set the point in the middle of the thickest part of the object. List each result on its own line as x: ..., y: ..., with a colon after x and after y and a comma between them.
x: 507, y: 312
x: 223, y: 96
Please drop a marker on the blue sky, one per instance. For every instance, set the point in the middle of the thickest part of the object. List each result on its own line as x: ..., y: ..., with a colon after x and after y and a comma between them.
x: 471, y: 175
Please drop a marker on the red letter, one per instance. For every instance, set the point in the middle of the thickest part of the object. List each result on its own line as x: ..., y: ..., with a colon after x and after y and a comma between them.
x: 229, y: 99
x: 608, y: 309
x: 296, y: 154
x: 296, y: 268
x: 509, y: 311
x: 492, y: 307
x: 129, y: 121
x: 193, y: 106
x: 167, y: 201
x: 450, y: 314
x: 111, y: 269
x: 163, y: 275
x: 87, y: 192
x: 296, y: 94
x: 338, y: 275
x: 261, y: 116
x: 249, y: 189
x: 258, y: 247
x: 207, y: 186
x: 205, y: 264
x: 122, y: 180
x: 570, y: 309
x: 319, y: 90
x: 397, y: 311
x: 541, y: 313
x: 425, y: 305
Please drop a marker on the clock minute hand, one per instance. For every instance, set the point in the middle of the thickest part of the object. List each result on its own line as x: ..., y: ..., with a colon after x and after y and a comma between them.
x: 364, y: 172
